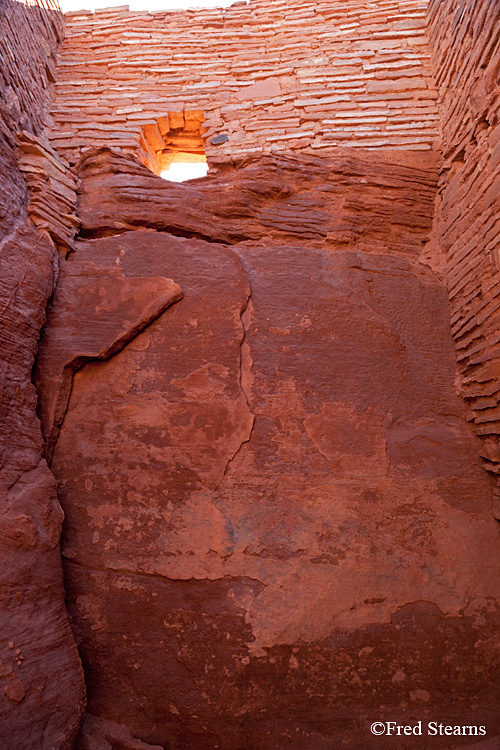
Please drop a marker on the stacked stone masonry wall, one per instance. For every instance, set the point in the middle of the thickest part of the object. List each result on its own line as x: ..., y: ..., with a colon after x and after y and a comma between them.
x: 307, y: 76
x: 24, y: 88
x: 30, y: 35
x: 465, y: 39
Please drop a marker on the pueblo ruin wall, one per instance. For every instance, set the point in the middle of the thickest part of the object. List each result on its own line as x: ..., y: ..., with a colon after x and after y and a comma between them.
x: 267, y: 397
x: 303, y: 77
x: 465, y: 43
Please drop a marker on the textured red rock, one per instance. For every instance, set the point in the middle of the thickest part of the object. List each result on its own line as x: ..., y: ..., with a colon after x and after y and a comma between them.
x: 100, y: 734
x: 274, y: 505
x: 365, y: 201
x: 277, y: 527
x: 51, y: 187
x: 42, y: 692
x: 100, y: 311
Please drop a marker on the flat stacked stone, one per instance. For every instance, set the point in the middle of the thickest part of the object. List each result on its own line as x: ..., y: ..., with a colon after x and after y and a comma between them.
x: 466, y: 46
x: 271, y: 76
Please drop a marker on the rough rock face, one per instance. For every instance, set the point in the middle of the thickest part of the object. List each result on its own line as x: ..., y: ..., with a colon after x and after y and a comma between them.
x: 363, y: 201
x: 41, y: 687
x: 42, y: 693
x: 275, y: 529
x: 89, y: 331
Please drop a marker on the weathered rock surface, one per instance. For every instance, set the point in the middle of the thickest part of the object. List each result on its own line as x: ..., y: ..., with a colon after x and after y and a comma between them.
x: 42, y: 692
x: 96, y: 311
x: 277, y: 530
x: 100, y: 734
x: 51, y: 189
x: 368, y: 202
x: 275, y: 514
x: 42, y: 695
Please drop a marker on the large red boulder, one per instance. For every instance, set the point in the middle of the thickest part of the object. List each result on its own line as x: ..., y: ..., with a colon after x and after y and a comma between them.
x: 276, y: 524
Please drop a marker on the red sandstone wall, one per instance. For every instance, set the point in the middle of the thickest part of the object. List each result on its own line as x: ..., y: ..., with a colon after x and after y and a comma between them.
x: 41, y: 685
x: 465, y: 38
x: 305, y: 76
x: 284, y: 582
x: 275, y: 529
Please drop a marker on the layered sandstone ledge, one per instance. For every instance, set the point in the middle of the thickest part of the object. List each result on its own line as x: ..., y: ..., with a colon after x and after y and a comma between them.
x: 303, y: 77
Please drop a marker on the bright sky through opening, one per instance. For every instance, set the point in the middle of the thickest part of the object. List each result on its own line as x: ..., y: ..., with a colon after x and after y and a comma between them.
x: 182, y: 171
x: 70, y: 5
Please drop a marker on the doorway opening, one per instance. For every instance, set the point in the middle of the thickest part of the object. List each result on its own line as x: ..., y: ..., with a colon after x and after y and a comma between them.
x: 173, y: 146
